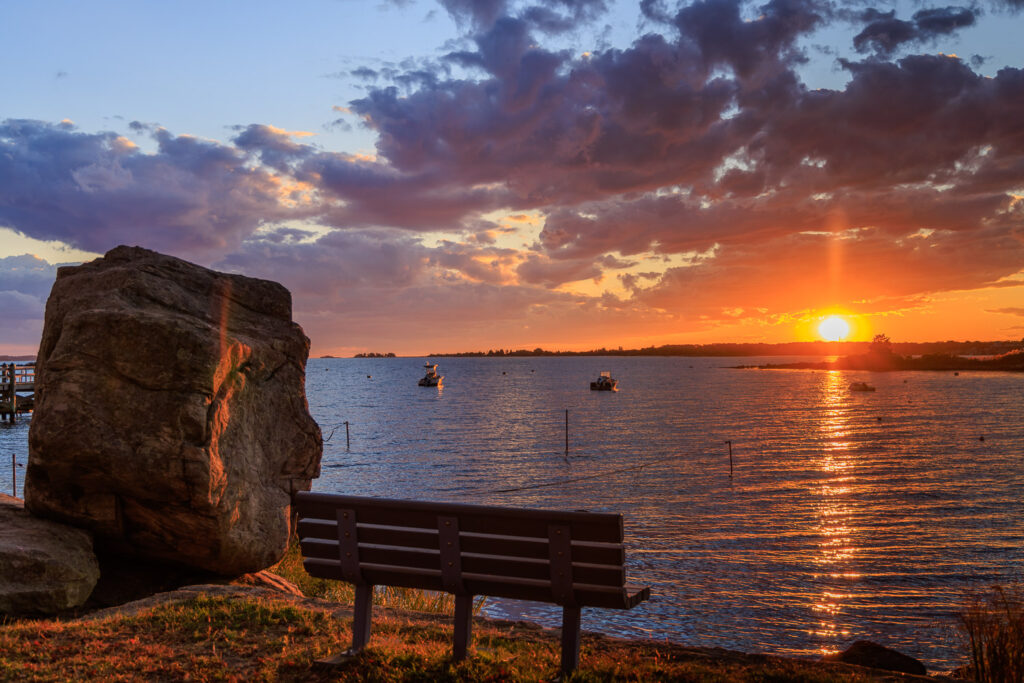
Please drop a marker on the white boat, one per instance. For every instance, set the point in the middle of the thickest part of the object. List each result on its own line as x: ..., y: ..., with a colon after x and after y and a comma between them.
x: 431, y: 379
x: 604, y: 383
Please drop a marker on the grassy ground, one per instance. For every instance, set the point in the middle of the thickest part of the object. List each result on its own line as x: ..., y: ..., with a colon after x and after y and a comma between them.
x: 247, y: 633
x: 251, y: 635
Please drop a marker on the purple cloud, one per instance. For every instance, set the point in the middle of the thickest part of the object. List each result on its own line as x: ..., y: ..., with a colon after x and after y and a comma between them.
x: 97, y: 190
x: 884, y: 33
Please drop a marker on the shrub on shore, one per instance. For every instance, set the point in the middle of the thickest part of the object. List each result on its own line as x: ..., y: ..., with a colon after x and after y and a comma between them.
x: 993, y: 627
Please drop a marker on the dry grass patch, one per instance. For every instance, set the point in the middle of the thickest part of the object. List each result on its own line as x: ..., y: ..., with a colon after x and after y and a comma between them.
x: 245, y: 638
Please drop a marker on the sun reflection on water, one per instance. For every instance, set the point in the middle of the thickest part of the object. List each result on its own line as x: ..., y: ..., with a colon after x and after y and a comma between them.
x: 837, y: 548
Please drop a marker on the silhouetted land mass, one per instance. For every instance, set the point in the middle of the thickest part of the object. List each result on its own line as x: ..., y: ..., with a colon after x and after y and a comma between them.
x: 15, y: 358
x: 374, y: 355
x: 877, y: 360
x: 909, y: 349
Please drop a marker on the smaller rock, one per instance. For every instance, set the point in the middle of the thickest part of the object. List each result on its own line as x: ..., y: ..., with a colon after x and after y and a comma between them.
x: 875, y: 656
x: 45, y: 568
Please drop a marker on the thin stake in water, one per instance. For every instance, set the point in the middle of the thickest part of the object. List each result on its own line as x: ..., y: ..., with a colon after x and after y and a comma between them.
x: 730, y: 458
x: 567, y: 431
x: 348, y: 444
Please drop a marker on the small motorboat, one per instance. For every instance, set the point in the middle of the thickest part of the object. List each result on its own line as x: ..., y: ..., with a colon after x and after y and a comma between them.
x: 604, y: 383
x: 861, y: 386
x: 431, y: 379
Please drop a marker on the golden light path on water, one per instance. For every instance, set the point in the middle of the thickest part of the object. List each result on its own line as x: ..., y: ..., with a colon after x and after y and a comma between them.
x: 837, y: 546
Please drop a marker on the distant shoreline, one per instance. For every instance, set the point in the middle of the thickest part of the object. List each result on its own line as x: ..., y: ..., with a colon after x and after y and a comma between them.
x: 949, y: 348
x: 1009, y: 362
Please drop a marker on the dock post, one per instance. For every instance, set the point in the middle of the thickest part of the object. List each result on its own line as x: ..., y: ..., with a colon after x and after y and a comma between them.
x: 7, y: 387
x: 14, y: 476
x: 348, y: 444
x: 730, y: 458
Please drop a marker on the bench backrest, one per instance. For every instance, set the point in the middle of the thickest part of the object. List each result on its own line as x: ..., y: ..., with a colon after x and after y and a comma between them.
x: 568, y: 558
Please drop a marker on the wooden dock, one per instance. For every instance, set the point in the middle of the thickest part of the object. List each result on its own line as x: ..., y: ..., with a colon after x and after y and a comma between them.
x: 17, y: 390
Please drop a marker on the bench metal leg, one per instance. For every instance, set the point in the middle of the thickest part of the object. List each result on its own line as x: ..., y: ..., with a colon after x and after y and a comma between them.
x: 463, y: 625
x: 362, y: 613
x: 570, y: 639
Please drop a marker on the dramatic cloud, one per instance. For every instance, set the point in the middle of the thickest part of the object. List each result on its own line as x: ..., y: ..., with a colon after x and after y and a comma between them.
x: 552, y: 17
x: 688, y: 178
x: 96, y: 190
x: 884, y: 33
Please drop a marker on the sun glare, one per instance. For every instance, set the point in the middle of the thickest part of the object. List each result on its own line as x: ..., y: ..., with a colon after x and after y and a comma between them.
x: 833, y: 328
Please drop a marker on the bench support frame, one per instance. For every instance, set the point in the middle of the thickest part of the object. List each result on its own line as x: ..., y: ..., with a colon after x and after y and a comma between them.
x: 570, y: 639
x: 362, y: 617
x: 564, y: 534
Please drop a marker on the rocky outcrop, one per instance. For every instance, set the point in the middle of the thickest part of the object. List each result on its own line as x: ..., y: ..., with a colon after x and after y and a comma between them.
x: 875, y: 656
x: 171, y: 417
x: 45, y: 567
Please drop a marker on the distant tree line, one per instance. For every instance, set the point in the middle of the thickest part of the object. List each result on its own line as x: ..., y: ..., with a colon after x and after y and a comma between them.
x: 962, y: 348
x: 881, y: 355
x: 374, y: 355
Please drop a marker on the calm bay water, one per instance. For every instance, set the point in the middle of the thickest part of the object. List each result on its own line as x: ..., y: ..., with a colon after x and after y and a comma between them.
x: 848, y: 515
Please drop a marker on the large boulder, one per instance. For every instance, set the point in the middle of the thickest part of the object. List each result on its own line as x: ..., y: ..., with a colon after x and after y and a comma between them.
x: 171, y: 416
x: 45, y: 567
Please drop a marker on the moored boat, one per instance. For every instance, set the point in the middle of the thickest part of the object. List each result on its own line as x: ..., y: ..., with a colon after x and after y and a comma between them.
x: 431, y: 379
x: 861, y: 386
x: 604, y: 383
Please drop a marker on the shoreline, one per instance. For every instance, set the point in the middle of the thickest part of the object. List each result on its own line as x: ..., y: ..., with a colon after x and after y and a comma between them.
x: 1011, y: 362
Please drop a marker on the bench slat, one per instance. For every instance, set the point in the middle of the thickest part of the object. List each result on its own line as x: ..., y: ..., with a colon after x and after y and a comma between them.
x: 524, y: 522
x: 483, y: 544
x: 597, y: 574
x: 482, y: 584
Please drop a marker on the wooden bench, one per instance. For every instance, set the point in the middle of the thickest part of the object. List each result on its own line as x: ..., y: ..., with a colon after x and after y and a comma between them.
x: 571, y: 559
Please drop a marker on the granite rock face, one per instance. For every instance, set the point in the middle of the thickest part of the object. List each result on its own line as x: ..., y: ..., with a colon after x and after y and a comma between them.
x: 45, y: 567
x: 171, y: 416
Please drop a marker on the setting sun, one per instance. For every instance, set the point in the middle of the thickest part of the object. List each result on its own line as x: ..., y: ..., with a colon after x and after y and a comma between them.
x: 833, y: 328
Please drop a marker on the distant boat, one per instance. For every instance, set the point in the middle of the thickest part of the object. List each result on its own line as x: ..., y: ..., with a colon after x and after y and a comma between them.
x: 861, y: 386
x: 604, y: 383
x: 431, y: 379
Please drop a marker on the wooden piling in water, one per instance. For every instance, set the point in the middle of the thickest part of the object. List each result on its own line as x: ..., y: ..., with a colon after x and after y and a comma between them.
x: 567, y: 431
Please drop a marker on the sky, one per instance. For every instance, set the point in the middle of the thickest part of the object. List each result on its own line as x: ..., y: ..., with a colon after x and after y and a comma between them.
x: 459, y: 175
